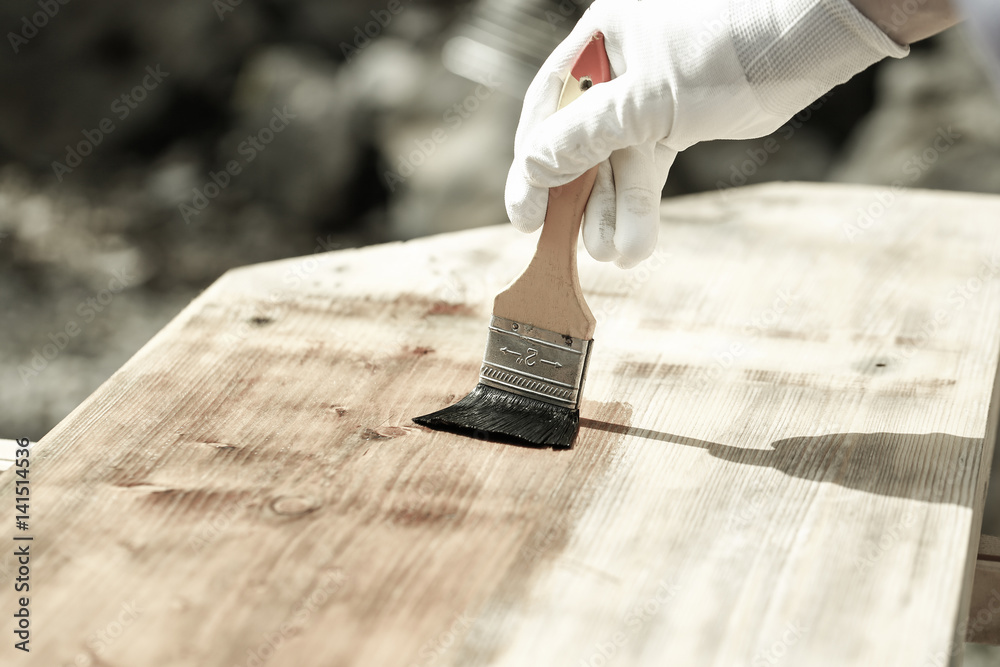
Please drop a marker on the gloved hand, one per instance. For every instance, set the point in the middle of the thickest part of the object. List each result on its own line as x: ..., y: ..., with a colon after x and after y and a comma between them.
x: 685, y: 71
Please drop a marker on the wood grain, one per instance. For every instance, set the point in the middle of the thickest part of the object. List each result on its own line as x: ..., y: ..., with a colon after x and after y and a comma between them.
x: 782, y: 457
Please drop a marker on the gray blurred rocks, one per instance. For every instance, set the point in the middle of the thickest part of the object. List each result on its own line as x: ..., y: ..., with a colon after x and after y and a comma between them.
x: 82, y: 241
x: 445, y: 147
x: 299, y: 101
x: 937, y: 87
x: 121, y: 209
x: 438, y: 167
x: 930, y: 95
x: 70, y: 74
x: 791, y: 154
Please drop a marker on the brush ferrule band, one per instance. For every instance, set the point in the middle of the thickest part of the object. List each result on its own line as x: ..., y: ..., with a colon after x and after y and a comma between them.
x: 536, y: 363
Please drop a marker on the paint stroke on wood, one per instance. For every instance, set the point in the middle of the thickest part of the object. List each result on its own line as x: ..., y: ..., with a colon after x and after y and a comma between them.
x: 785, y: 440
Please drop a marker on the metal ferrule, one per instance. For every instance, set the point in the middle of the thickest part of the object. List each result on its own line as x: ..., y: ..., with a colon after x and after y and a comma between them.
x: 537, y: 363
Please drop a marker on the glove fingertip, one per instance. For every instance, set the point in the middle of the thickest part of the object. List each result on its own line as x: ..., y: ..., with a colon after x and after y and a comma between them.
x: 525, y: 204
x: 626, y: 263
x: 638, y: 223
x: 636, y: 247
x: 599, y: 217
x: 524, y: 223
x: 601, y: 249
x: 578, y: 136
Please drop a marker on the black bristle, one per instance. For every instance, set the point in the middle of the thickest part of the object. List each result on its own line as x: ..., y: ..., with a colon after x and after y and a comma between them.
x: 494, y: 414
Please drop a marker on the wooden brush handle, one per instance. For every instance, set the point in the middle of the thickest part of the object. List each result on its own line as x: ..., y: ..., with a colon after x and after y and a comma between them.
x: 548, y: 294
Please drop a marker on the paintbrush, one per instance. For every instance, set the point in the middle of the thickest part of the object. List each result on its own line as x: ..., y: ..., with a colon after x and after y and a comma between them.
x: 541, y: 333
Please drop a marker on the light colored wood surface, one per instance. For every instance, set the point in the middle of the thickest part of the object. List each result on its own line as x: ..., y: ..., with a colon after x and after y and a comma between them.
x: 984, y: 612
x: 7, y: 449
x: 777, y: 464
x: 8, y: 453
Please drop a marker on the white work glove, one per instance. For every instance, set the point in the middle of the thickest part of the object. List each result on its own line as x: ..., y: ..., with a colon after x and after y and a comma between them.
x: 685, y: 71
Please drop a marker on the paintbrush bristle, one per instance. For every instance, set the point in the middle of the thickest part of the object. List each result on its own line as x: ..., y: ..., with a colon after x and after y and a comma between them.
x: 494, y: 414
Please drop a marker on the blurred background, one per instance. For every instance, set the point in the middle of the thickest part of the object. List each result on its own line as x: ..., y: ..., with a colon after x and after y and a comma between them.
x: 151, y: 146
x: 146, y: 148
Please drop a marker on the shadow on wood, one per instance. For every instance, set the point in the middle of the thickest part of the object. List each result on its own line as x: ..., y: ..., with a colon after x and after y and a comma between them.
x: 887, y: 464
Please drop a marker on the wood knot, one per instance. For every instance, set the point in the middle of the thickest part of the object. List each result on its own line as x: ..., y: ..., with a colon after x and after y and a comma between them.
x: 294, y: 505
x: 384, y: 432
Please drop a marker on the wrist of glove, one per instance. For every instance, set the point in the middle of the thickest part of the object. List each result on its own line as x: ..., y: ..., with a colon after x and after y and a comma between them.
x: 683, y: 73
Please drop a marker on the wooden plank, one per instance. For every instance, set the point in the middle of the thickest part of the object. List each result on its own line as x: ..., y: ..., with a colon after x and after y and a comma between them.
x: 984, y: 614
x: 8, y: 448
x: 782, y: 460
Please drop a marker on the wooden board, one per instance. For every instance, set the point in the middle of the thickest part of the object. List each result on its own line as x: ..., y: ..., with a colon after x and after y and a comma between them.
x: 783, y: 457
x: 984, y: 612
x: 8, y: 448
